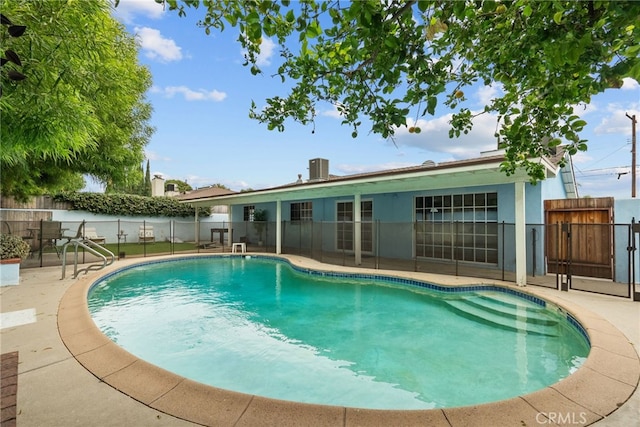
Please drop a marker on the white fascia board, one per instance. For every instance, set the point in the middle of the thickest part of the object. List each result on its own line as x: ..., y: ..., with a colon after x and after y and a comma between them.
x: 437, y: 178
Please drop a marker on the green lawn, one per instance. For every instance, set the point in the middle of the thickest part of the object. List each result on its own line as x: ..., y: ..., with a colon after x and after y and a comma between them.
x: 151, y: 248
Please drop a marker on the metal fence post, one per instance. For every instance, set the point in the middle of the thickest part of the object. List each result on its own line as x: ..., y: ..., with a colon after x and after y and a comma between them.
x: 533, y: 245
x: 144, y: 241
x: 377, y: 244
x: 40, y: 242
x: 456, y: 244
x: 634, y: 230
x: 415, y: 240
x: 503, y: 247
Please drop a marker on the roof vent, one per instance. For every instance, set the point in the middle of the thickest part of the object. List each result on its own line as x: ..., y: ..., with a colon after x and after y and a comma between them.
x: 429, y: 163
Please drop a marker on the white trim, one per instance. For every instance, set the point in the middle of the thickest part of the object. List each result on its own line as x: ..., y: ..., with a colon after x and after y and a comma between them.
x: 486, y: 173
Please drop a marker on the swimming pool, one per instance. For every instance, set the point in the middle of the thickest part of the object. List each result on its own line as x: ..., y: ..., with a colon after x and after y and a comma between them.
x: 371, y: 341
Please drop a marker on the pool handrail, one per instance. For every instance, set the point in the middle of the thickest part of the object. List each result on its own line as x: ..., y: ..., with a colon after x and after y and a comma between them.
x: 87, y: 245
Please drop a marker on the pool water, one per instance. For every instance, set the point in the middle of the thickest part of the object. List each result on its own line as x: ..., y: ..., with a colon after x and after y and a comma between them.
x: 260, y: 327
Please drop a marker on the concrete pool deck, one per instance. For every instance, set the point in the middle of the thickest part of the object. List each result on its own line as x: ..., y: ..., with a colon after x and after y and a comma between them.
x: 69, y: 374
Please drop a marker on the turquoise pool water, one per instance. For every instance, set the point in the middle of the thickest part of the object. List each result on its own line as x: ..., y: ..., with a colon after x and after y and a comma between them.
x: 260, y: 326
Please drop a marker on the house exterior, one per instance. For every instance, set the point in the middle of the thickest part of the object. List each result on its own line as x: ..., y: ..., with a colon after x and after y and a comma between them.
x: 466, y: 211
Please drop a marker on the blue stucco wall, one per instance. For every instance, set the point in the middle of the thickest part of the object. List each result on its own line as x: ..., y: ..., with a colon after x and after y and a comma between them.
x: 395, y: 213
x: 625, y: 211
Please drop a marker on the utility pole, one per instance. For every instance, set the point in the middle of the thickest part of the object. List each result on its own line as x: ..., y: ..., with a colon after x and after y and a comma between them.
x: 633, y: 154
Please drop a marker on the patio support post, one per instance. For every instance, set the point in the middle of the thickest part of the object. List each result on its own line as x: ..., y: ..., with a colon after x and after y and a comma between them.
x: 197, y: 228
x: 230, y: 232
x: 357, y: 232
x: 278, y: 227
x: 520, y: 234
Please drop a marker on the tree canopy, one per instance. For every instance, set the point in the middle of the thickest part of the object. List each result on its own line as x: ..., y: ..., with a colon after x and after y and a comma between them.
x: 81, y: 108
x: 183, y: 186
x: 392, y: 62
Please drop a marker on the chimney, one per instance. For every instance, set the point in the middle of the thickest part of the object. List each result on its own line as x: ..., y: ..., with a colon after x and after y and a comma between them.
x: 157, y: 186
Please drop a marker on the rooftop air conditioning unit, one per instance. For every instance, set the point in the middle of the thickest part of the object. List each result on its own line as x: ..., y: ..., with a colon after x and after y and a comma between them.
x: 318, y: 169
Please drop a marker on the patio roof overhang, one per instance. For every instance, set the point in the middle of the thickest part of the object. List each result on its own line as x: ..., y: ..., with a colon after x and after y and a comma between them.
x: 483, y: 171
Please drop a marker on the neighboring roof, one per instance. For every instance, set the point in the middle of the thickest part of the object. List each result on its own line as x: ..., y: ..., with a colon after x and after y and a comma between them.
x: 483, y: 170
x: 201, y: 193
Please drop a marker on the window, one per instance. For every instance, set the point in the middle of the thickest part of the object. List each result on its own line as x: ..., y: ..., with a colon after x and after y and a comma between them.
x: 344, y: 229
x: 458, y: 227
x: 302, y: 211
x: 248, y: 212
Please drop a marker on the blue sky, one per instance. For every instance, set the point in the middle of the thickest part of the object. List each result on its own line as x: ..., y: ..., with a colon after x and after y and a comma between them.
x: 201, y: 96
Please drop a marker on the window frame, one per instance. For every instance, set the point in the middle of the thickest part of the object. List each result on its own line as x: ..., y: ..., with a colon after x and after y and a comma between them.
x: 461, y: 226
x: 301, y: 211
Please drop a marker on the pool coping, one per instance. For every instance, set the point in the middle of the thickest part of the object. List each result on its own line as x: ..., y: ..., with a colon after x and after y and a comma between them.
x: 607, y: 379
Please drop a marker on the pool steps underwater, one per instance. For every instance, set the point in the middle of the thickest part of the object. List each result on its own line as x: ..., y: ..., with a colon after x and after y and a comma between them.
x: 509, y: 315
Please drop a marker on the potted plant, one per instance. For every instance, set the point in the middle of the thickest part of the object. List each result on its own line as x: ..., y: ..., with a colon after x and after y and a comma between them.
x: 260, y: 218
x: 12, y: 251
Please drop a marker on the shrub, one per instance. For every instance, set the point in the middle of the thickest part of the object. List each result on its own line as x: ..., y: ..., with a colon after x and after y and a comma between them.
x: 12, y: 246
x: 128, y: 205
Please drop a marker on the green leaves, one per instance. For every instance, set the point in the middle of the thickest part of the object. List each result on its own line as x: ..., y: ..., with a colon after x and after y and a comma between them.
x: 313, y: 30
x: 126, y: 204
x: 82, y: 108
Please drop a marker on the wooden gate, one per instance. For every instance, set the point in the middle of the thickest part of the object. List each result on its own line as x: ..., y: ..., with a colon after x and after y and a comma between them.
x: 580, y: 232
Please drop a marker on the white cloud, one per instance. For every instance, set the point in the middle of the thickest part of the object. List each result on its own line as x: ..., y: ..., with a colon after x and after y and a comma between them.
x: 487, y: 93
x: 605, y: 183
x: 434, y: 137
x: 581, y: 158
x: 154, y: 156
x: 616, y: 122
x: 582, y: 110
x: 333, y: 113
x: 128, y: 9
x: 267, y: 48
x: 629, y: 84
x: 156, y: 47
x: 190, y: 94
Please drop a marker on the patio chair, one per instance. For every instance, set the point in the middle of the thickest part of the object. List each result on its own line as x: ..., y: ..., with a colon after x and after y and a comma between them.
x: 90, y: 233
x: 145, y: 234
x: 45, y: 236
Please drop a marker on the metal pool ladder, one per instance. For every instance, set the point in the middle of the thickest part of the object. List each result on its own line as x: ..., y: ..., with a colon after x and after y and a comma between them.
x: 88, y: 245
